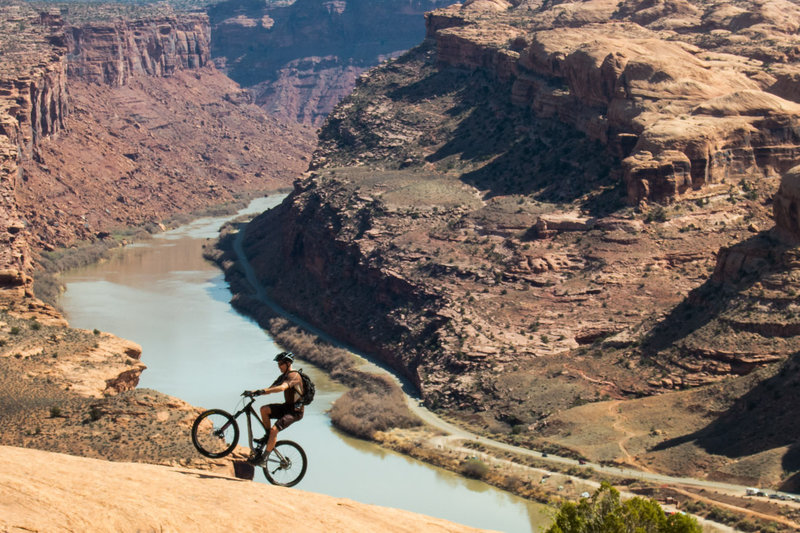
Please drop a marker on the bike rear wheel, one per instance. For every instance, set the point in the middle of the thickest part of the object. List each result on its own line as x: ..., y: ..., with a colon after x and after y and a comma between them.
x: 286, y: 464
x: 215, y: 433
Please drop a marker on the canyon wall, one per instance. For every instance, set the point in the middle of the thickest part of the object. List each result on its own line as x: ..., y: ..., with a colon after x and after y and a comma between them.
x: 33, y: 105
x: 154, y: 130
x: 546, y: 206
x: 111, y: 53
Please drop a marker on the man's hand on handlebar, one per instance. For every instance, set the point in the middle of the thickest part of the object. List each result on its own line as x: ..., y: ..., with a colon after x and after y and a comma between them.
x: 252, y: 393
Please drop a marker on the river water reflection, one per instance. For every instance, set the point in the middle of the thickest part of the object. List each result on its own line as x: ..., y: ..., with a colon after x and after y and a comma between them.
x: 163, y: 295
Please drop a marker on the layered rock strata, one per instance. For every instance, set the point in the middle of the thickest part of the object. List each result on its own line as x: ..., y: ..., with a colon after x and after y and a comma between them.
x: 683, y: 110
x: 137, y: 89
x: 33, y: 104
x: 113, y: 53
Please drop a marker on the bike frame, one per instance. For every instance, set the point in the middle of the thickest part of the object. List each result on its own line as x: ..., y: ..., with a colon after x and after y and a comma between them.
x: 250, y: 412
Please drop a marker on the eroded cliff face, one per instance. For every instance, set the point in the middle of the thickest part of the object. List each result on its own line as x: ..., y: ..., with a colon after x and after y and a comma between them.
x: 523, y: 215
x: 153, y: 129
x: 33, y: 104
x: 113, y: 53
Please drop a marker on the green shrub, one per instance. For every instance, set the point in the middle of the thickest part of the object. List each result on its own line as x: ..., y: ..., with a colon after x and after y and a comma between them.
x: 605, y: 513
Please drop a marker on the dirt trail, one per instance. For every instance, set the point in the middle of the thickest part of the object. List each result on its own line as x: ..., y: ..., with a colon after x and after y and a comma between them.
x: 619, y: 426
x: 739, y: 509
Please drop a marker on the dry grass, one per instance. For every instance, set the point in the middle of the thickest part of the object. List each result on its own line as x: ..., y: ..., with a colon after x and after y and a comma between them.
x: 362, y: 413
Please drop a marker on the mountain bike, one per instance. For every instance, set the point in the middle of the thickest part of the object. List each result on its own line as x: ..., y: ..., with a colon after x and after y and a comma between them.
x: 215, y: 434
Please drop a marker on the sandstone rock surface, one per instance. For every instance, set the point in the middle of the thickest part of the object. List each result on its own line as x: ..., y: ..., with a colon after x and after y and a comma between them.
x: 683, y: 108
x: 113, y: 53
x: 43, y: 491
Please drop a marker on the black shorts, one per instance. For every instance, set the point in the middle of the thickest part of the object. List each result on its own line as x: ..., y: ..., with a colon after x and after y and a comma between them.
x: 285, y: 413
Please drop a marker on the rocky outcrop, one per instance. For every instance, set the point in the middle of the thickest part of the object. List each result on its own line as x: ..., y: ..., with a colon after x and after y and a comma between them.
x: 34, y: 106
x: 681, y: 113
x: 113, y: 53
x: 786, y: 206
x: 745, y: 317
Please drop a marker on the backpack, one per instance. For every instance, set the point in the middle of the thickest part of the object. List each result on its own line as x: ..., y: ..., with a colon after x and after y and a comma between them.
x: 308, y: 387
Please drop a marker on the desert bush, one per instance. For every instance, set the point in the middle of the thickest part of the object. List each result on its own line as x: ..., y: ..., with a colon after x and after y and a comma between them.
x: 474, y: 468
x: 363, y: 412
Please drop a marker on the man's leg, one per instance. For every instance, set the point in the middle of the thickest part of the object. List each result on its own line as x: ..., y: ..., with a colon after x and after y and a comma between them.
x: 265, y: 412
x: 286, y: 416
x: 273, y: 436
x: 272, y: 431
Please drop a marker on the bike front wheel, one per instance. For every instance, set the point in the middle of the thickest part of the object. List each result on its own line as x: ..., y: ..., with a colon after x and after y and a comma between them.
x: 215, y: 433
x: 286, y: 465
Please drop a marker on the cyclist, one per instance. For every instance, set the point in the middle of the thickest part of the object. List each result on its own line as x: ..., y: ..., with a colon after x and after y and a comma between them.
x: 286, y: 413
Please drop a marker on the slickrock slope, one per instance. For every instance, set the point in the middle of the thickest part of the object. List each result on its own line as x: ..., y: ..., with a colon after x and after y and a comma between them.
x: 42, y: 491
x: 524, y: 214
x: 301, y: 57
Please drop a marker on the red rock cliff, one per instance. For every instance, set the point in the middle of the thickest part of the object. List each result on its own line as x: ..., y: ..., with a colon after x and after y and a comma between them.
x: 112, y: 53
x: 33, y: 104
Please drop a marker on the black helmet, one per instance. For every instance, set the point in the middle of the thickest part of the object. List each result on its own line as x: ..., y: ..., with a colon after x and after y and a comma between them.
x: 284, y: 357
